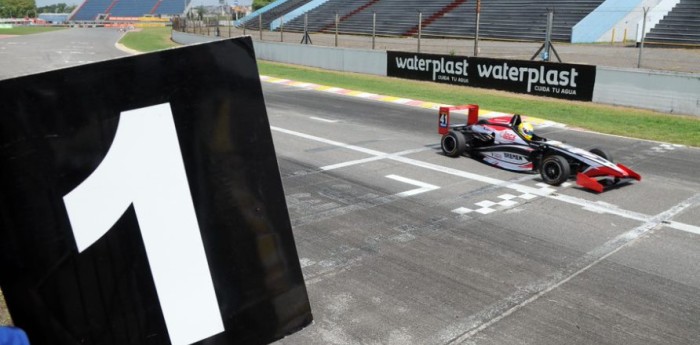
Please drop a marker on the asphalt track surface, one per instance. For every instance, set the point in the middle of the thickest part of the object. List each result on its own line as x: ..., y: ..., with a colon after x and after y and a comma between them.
x: 27, y: 54
x: 402, y: 245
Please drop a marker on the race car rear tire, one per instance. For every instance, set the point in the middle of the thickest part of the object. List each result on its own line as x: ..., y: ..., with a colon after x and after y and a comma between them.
x: 555, y: 170
x: 453, y: 144
x: 602, y: 153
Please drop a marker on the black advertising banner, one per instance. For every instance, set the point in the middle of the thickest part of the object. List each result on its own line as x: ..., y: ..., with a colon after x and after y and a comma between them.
x: 560, y: 80
x: 141, y: 203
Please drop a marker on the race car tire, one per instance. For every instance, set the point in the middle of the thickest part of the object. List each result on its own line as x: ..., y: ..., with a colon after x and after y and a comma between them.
x: 555, y: 170
x: 602, y: 153
x: 453, y: 143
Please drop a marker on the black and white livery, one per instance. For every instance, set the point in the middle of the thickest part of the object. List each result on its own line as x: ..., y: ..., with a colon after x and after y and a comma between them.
x: 499, y: 142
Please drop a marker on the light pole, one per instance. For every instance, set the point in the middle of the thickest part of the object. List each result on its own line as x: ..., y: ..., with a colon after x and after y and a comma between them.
x: 641, y: 45
x: 476, y: 32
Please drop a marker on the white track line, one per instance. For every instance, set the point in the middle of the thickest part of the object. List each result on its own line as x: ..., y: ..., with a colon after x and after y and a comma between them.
x: 423, y: 187
x: 323, y: 120
x: 374, y: 158
x: 587, y: 204
x: 520, y: 299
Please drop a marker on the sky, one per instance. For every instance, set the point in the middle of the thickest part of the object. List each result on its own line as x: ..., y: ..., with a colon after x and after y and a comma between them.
x: 41, y: 3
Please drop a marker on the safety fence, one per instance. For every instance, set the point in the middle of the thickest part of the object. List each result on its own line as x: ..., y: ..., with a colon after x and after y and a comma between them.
x: 672, y: 92
x: 620, y: 55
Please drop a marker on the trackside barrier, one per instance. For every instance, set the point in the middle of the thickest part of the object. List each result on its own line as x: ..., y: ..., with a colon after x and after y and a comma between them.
x: 669, y: 92
x: 444, y: 116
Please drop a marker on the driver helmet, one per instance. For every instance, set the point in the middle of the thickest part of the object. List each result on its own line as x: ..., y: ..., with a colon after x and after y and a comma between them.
x: 525, y: 128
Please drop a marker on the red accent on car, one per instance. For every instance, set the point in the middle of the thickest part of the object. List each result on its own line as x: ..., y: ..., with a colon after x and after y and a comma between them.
x: 509, y: 136
x: 629, y: 172
x: 444, y: 120
x: 589, y: 183
x: 604, y: 171
x: 587, y: 179
x: 444, y: 116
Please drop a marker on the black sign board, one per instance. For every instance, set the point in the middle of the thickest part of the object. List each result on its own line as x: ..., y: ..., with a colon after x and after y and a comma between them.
x: 568, y: 81
x: 141, y: 203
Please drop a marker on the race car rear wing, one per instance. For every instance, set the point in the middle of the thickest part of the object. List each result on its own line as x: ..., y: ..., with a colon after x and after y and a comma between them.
x: 444, y: 116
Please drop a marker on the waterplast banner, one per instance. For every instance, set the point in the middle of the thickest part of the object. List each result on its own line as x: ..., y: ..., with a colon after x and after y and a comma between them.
x: 141, y: 203
x: 567, y: 81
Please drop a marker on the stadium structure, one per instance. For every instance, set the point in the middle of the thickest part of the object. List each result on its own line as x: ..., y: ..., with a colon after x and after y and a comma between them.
x: 104, y: 10
x: 672, y: 22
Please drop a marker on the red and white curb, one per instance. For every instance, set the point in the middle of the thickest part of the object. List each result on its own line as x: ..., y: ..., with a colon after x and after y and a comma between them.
x: 483, y: 113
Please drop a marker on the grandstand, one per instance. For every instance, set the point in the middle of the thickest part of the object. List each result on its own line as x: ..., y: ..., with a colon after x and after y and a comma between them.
x: 500, y: 19
x: 681, y: 26
x: 91, y: 10
x: 514, y: 19
x: 270, y: 13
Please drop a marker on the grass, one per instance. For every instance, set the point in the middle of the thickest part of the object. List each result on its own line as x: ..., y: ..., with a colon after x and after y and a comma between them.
x: 149, y: 39
x: 5, y: 319
x: 629, y: 122
x: 28, y: 30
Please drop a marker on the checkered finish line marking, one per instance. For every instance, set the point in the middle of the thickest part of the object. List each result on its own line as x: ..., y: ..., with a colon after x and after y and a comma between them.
x: 507, y: 200
x: 587, y: 204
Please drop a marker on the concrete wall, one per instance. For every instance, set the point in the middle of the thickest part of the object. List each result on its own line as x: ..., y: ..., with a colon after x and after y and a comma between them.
x: 662, y: 91
x: 602, y: 19
x: 187, y: 39
x: 337, y: 59
x: 670, y: 92
x: 629, y: 24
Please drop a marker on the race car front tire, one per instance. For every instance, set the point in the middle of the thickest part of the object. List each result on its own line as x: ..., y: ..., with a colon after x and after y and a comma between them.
x: 555, y: 170
x: 453, y: 143
x: 602, y: 153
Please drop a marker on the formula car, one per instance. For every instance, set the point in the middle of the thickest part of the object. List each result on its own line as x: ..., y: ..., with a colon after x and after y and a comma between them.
x: 496, y: 141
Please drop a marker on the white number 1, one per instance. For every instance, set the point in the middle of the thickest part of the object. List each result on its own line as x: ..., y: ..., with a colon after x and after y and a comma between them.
x: 144, y: 167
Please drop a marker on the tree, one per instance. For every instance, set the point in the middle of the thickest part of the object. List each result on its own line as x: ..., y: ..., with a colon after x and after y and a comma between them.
x: 17, y: 8
x: 56, y: 8
x: 258, y: 4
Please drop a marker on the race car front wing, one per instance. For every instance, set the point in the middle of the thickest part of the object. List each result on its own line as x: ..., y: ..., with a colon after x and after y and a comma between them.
x: 599, y: 178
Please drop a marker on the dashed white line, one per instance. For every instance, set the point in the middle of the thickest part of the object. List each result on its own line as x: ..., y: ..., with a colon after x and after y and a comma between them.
x: 322, y: 119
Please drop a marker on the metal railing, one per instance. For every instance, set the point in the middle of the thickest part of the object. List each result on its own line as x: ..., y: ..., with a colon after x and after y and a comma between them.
x: 379, y: 35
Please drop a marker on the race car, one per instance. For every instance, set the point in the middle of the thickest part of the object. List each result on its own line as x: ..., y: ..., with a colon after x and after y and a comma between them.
x: 498, y: 142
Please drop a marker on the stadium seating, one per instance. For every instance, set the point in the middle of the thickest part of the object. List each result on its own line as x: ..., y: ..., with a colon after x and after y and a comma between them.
x: 505, y: 19
x: 681, y: 26
x: 90, y: 9
x: 170, y: 7
x: 514, y: 19
x: 356, y: 16
x: 253, y: 22
x: 132, y: 8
